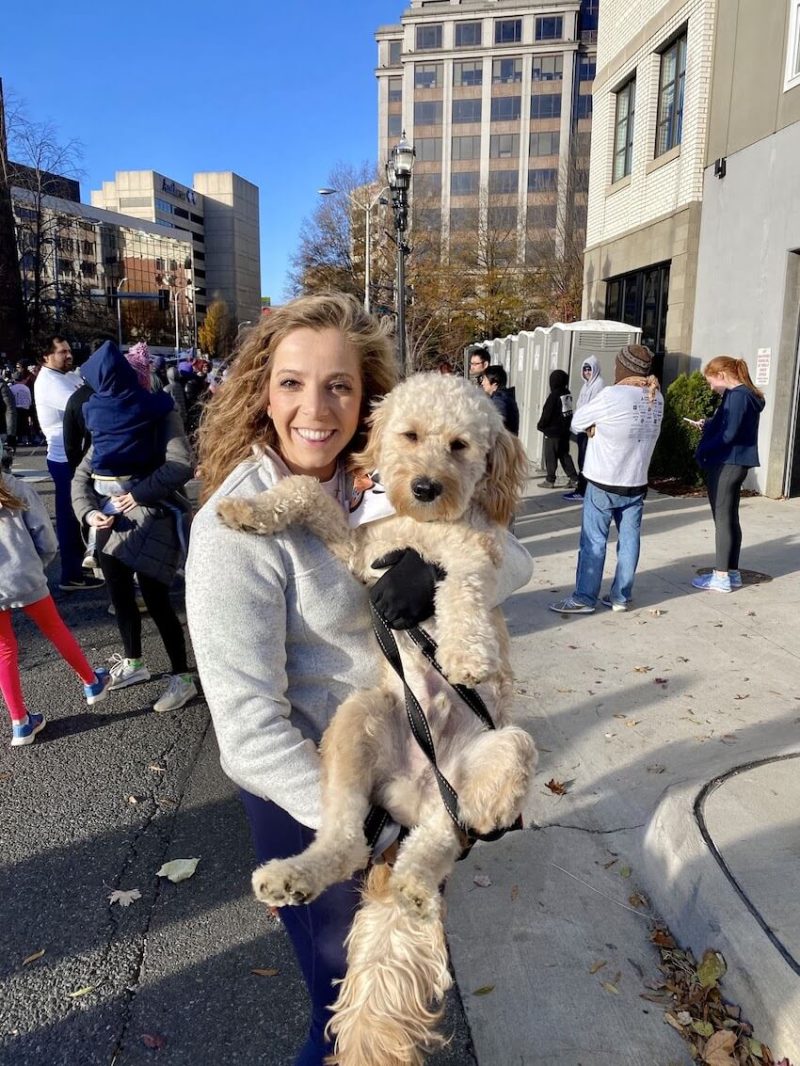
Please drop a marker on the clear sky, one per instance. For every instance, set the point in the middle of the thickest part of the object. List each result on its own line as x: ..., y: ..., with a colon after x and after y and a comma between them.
x: 279, y: 92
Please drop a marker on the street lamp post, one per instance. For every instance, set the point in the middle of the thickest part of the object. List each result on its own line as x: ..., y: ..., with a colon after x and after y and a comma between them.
x: 120, y: 283
x: 398, y: 175
x: 367, y: 209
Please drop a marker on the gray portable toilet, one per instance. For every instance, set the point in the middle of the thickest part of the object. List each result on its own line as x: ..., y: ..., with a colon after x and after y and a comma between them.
x: 601, y: 339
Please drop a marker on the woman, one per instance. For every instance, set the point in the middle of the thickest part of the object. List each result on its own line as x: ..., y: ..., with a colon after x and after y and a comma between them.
x: 281, y: 631
x: 728, y: 449
x: 128, y: 488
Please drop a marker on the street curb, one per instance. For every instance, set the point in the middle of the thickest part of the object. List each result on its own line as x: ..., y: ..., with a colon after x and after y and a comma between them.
x: 689, y: 886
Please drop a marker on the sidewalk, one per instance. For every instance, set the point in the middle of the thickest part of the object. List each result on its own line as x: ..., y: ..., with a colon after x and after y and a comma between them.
x: 642, y: 715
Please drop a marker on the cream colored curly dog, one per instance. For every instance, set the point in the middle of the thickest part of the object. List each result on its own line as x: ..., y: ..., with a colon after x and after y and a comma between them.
x: 453, y: 475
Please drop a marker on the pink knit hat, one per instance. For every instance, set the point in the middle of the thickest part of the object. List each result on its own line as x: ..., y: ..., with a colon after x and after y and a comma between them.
x: 139, y: 358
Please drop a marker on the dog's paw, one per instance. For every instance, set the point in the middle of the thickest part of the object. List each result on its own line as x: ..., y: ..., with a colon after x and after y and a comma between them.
x: 463, y: 665
x: 245, y: 515
x: 416, y: 896
x: 283, y: 883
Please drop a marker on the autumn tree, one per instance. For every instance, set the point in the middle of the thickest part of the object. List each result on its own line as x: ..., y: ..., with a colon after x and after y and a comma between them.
x: 217, y: 335
x: 12, y: 308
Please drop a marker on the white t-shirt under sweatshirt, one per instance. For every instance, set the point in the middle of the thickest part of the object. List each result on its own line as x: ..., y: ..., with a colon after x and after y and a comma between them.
x: 627, y: 425
x: 51, y: 390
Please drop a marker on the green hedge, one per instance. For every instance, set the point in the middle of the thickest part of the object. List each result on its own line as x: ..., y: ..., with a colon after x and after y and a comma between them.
x: 687, y: 397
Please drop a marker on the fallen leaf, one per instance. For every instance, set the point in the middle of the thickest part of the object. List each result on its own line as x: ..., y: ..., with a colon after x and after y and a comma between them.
x: 643, y: 669
x: 717, y: 1051
x: 711, y: 969
x: 178, y: 869
x: 32, y: 958
x: 631, y: 722
x: 660, y: 680
x: 610, y: 988
x: 514, y: 892
x: 703, y: 1028
x: 670, y: 1019
x: 482, y: 880
x: 656, y: 768
x: 157, y: 769
x: 662, y: 939
x: 484, y: 990
x: 80, y: 992
x: 755, y: 1048
x: 656, y: 612
x: 728, y: 738
x: 558, y: 788
x: 133, y: 800
x: 609, y: 864
x: 637, y: 900
x: 684, y: 1017
x: 739, y: 696
x: 597, y: 966
x: 572, y: 647
x: 620, y: 716
x: 625, y: 871
x: 125, y: 896
x: 268, y: 971
x: 153, y: 1040
x: 682, y: 659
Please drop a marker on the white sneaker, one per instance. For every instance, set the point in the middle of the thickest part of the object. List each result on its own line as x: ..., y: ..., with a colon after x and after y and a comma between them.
x: 124, y: 672
x: 179, y: 691
x: 89, y: 561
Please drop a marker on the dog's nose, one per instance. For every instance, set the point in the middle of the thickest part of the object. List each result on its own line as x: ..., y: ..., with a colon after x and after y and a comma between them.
x: 425, y: 490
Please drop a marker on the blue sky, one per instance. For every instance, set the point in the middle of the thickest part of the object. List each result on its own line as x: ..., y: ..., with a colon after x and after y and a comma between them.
x: 279, y: 93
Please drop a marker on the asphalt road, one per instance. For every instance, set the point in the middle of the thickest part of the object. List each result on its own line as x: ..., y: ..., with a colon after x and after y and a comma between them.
x: 100, y: 800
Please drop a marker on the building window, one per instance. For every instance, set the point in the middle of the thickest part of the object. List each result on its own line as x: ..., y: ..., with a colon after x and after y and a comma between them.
x: 506, y: 108
x: 623, y: 130
x: 542, y: 215
x: 428, y: 113
x: 587, y: 68
x: 542, y: 180
x: 394, y: 126
x: 548, y: 105
x: 468, y: 73
x: 464, y: 182
x: 506, y: 71
x: 545, y: 143
x: 793, y: 49
x: 429, y: 36
x: 468, y: 34
x: 501, y: 217
x: 427, y: 75
x: 548, y: 68
x: 429, y: 149
x: 550, y: 28
x: 462, y: 218
x: 503, y: 145
x: 181, y: 212
x: 583, y: 106
x: 641, y: 299
x: 428, y: 184
x: 507, y: 31
x: 395, y: 51
x: 503, y: 181
x: 161, y: 205
x: 395, y: 90
x: 669, y: 122
x: 468, y: 147
x: 196, y: 218
x: 466, y: 111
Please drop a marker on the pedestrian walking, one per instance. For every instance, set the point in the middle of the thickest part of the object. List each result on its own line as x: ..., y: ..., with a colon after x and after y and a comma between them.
x: 8, y: 419
x: 23, y: 400
x: 728, y: 449
x: 554, y: 422
x: 287, y: 637
x: 623, y: 423
x: 592, y: 385
x: 128, y: 486
x: 27, y: 545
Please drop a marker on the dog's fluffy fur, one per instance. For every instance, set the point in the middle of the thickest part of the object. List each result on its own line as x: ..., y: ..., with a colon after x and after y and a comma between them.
x: 443, y: 430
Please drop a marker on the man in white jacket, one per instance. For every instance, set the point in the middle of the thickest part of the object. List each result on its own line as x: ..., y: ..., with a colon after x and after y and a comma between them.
x: 624, y: 420
x: 54, y: 385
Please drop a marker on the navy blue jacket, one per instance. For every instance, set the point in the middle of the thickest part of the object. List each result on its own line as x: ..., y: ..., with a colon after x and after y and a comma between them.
x: 506, y: 404
x: 731, y: 434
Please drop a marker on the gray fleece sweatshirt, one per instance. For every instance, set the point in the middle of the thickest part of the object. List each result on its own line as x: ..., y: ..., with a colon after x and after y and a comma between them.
x: 281, y: 635
x: 27, y: 546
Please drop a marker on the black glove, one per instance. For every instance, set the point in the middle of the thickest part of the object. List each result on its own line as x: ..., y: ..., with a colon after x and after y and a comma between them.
x: 404, y: 595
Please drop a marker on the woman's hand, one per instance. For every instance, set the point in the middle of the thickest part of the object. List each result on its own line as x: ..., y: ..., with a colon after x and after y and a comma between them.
x: 99, y: 520
x: 404, y: 595
x: 125, y: 502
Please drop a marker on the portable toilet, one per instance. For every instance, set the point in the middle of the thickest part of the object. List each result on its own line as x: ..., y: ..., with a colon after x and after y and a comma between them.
x: 601, y: 339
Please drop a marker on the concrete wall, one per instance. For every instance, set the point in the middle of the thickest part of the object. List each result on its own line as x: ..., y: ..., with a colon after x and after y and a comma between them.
x: 747, y: 279
x: 233, y: 271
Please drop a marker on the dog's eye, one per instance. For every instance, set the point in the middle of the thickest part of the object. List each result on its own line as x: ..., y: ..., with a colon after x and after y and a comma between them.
x: 411, y: 436
x: 457, y: 445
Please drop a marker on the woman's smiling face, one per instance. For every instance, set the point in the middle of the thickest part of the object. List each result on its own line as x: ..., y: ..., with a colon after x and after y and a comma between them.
x: 315, y: 394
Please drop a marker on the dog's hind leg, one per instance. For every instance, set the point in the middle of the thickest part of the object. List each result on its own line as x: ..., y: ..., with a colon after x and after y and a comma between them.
x: 339, y: 848
x: 493, y: 778
x: 425, y: 859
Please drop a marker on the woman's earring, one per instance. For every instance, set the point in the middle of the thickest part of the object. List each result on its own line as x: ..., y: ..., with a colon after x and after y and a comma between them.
x: 269, y: 412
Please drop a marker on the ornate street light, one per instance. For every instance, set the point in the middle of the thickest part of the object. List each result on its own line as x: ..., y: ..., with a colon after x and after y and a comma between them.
x: 398, y: 178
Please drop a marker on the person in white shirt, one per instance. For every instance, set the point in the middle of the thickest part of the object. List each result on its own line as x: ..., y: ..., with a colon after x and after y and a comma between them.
x: 54, y: 385
x: 624, y: 421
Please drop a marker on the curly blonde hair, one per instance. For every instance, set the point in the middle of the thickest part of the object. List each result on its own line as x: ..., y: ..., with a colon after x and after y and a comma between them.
x: 236, y: 417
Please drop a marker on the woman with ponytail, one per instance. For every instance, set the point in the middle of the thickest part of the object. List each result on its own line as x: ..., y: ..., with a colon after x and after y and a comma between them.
x: 727, y: 450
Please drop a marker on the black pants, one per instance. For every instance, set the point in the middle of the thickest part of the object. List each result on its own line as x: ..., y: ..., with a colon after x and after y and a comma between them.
x: 724, y: 492
x: 556, y: 450
x: 121, y: 589
x: 583, y: 444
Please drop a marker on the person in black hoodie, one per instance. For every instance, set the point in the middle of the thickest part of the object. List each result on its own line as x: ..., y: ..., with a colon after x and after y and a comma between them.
x: 554, y: 423
x: 494, y: 383
x: 728, y: 448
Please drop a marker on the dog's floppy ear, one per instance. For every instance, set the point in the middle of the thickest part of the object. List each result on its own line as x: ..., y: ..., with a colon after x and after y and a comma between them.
x: 500, y: 489
x: 367, y: 458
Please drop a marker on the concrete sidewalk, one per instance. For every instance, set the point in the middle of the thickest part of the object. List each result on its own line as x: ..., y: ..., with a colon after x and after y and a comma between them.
x: 675, y: 728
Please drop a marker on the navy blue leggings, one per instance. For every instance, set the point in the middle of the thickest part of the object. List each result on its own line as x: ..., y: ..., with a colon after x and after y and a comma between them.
x: 317, y: 930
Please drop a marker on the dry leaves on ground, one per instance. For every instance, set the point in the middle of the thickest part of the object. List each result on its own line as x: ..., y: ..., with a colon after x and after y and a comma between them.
x: 558, y: 788
x: 178, y: 869
x: 124, y: 897
x: 32, y: 958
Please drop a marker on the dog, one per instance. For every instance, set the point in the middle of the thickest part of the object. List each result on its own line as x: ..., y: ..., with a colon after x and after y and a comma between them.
x: 453, y: 475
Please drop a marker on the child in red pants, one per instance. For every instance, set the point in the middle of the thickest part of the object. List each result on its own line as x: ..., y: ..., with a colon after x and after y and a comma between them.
x: 27, y: 545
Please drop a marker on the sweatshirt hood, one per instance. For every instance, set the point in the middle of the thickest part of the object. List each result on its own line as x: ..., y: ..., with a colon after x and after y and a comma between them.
x: 591, y: 361
x: 108, y: 372
x: 558, y: 380
x: 593, y: 384
x: 749, y: 397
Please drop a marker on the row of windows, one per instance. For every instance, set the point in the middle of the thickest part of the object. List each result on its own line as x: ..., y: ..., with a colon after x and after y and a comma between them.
x: 467, y: 182
x: 470, y: 72
x: 503, y: 109
x: 501, y: 146
x: 501, y: 216
x: 669, y: 115
x: 429, y: 37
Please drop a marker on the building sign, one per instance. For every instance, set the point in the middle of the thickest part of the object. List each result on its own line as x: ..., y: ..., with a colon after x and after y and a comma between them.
x: 178, y: 191
x: 763, y: 360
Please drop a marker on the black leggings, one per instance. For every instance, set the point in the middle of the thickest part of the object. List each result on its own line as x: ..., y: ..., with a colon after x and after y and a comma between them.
x: 121, y: 589
x: 724, y: 492
x: 556, y: 449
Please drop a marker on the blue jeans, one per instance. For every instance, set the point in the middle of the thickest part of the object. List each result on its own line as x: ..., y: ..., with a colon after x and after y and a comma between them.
x: 317, y: 930
x: 68, y: 531
x: 600, y: 508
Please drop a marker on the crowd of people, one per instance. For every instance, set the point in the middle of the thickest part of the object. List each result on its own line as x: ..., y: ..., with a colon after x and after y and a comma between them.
x: 287, y: 636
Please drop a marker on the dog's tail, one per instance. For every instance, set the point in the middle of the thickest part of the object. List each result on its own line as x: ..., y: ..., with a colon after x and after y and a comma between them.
x: 397, y: 974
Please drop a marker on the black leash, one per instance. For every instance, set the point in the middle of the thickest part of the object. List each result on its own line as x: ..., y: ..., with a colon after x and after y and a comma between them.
x: 419, y: 723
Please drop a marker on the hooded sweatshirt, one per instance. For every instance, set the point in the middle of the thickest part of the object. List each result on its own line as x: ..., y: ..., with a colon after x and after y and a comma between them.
x: 731, y: 434
x: 27, y: 546
x: 122, y: 417
x: 595, y: 383
x: 557, y: 411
